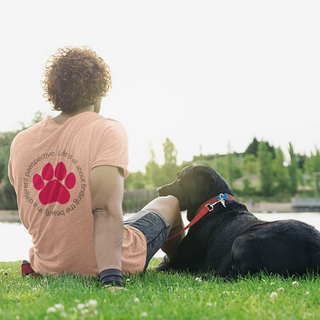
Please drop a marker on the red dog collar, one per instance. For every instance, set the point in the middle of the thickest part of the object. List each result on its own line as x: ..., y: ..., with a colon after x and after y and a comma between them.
x: 211, y: 202
x: 205, y: 208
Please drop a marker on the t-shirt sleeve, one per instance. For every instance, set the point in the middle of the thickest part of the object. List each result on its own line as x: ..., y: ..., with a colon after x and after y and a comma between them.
x: 113, y: 147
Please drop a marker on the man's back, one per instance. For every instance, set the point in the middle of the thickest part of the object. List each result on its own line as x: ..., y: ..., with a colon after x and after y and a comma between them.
x: 49, y: 168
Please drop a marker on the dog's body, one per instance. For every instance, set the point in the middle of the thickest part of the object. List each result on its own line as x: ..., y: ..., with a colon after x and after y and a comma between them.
x: 232, y: 241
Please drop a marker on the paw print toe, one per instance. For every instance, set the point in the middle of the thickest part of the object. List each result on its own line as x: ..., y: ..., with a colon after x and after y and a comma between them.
x: 70, y: 180
x: 47, y: 172
x: 38, y: 182
x: 61, y: 171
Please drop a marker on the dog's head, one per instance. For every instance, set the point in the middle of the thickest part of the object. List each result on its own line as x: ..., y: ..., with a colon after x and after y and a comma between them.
x: 193, y: 186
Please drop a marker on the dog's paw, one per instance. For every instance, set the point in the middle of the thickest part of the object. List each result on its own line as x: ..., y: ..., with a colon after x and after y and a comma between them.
x: 163, y: 265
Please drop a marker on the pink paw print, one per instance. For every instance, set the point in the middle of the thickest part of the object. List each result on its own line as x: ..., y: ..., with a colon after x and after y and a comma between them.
x: 54, y: 190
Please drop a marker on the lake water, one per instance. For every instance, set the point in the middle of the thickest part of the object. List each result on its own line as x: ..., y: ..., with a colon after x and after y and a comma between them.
x: 15, y: 240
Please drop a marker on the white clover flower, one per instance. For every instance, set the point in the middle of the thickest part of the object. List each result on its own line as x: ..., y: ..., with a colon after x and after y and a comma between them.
x: 128, y: 280
x: 92, y: 304
x: 80, y: 306
x: 59, y: 306
x: 51, y: 309
x: 281, y: 289
x: 84, y: 311
x: 198, y: 279
x: 307, y: 292
x: 144, y: 314
x: 209, y: 304
x: 273, y: 295
x: 136, y: 300
x: 295, y: 283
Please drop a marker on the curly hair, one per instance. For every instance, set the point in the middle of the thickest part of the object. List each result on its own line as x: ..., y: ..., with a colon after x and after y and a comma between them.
x: 75, y: 77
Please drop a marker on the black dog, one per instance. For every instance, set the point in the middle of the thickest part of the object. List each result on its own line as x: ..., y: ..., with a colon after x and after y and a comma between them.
x: 232, y: 241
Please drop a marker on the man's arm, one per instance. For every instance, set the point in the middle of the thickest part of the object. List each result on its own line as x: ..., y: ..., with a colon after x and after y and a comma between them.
x: 107, y: 186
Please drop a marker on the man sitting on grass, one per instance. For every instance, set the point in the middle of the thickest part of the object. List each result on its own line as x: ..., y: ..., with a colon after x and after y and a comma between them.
x: 68, y: 173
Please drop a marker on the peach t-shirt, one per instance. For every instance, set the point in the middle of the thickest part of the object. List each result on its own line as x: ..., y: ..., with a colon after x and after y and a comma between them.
x: 49, y: 168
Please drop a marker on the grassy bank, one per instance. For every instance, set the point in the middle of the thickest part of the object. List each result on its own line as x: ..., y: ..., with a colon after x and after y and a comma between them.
x: 156, y: 296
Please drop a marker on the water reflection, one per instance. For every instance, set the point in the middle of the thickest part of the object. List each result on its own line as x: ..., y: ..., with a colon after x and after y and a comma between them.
x: 16, y: 241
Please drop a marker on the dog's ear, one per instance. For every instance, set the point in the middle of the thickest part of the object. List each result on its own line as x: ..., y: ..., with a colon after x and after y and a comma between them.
x: 204, y: 182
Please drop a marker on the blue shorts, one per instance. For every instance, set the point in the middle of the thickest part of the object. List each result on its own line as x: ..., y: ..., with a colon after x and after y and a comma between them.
x: 154, y: 227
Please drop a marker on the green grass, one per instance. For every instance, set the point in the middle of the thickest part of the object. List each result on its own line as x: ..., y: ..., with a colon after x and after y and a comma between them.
x: 156, y: 296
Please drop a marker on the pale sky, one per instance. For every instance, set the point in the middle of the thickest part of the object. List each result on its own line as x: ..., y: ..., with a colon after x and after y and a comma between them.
x: 202, y: 73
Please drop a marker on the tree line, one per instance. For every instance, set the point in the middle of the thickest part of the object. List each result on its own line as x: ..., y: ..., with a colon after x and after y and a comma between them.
x: 7, y: 193
x: 261, y: 170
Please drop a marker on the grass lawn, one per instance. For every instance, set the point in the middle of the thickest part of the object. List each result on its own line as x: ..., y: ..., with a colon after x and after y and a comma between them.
x: 156, y: 296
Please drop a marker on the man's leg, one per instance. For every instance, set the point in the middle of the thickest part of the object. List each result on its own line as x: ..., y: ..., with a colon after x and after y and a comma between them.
x: 168, y: 207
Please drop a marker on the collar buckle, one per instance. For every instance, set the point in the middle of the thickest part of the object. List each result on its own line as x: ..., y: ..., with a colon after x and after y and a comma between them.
x: 210, y: 206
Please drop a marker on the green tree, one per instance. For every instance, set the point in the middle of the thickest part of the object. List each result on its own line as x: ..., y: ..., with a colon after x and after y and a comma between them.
x: 280, y: 171
x: 170, y: 167
x: 312, y: 165
x: 138, y: 180
x: 7, y: 193
x: 230, y: 166
x: 250, y: 164
x: 293, y: 170
x: 5, y: 143
x: 253, y: 147
x: 233, y: 167
x: 135, y: 180
x: 265, y: 168
x: 154, y: 175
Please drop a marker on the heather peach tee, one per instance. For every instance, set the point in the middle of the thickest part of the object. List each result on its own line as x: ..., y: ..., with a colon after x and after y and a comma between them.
x: 49, y: 168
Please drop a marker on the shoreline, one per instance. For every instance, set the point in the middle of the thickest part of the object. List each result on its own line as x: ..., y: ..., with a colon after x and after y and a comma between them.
x: 259, y: 207
x: 9, y: 216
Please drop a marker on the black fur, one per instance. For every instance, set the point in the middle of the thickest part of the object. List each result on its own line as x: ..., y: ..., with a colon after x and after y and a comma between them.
x: 232, y: 241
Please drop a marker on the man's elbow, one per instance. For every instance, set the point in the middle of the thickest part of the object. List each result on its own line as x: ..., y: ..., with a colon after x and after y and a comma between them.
x: 106, y: 211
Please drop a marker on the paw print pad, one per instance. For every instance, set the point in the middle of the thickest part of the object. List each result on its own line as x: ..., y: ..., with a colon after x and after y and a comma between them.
x: 54, y: 190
